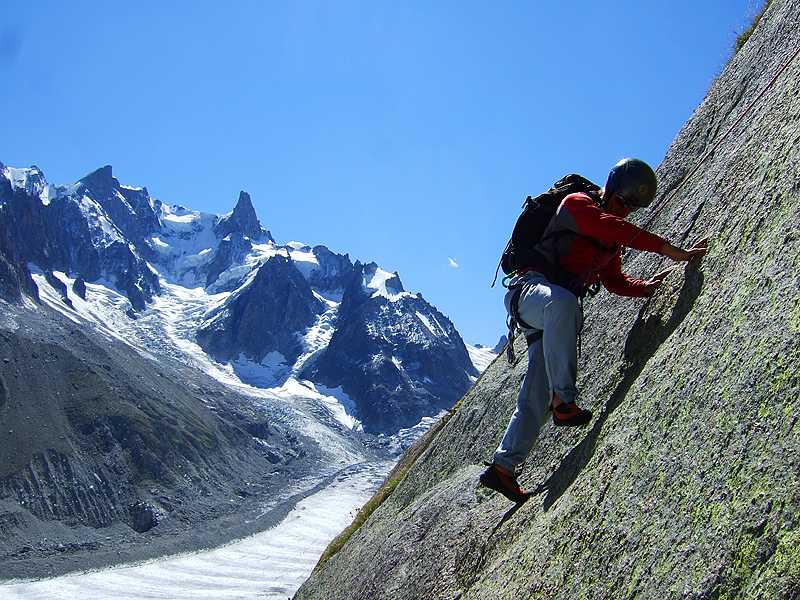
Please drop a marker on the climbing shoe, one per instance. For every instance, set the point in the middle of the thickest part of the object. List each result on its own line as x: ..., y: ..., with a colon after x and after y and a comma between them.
x: 499, y: 481
x: 568, y: 414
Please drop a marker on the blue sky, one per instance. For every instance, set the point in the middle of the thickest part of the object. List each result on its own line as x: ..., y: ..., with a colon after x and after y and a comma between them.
x: 402, y: 132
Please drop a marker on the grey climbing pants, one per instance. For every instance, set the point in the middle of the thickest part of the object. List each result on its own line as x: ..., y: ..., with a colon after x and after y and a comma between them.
x: 552, y: 363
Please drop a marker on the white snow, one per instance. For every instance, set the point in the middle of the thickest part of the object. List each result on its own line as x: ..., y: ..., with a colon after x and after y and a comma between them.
x: 398, y: 363
x: 334, y: 400
x: 104, y: 307
x: 269, y: 565
x: 30, y: 180
x: 480, y: 356
x: 428, y: 325
x: 305, y: 261
x: 348, y: 406
x: 318, y: 336
x: 403, y: 439
x: 266, y: 250
x: 179, y: 310
x: 159, y: 244
x: 186, y: 242
x: 103, y: 231
x: 242, y: 274
x: 270, y: 372
x: 234, y: 273
x: 378, y: 282
x: 48, y: 193
x: 182, y: 221
x: 50, y: 296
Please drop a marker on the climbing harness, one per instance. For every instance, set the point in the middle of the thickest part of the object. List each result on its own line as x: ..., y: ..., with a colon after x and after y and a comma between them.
x: 514, y: 321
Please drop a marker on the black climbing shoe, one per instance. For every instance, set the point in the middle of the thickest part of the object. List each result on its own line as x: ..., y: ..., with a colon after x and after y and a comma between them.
x: 497, y: 480
x: 568, y: 414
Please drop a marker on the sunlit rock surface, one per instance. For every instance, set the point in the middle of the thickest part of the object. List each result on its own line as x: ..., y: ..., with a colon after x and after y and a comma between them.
x: 685, y: 484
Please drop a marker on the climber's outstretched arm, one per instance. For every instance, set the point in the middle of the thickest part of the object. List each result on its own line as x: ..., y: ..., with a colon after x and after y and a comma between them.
x: 697, y: 251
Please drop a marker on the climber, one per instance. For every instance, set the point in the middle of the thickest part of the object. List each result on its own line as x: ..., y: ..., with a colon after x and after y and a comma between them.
x: 579, y: 248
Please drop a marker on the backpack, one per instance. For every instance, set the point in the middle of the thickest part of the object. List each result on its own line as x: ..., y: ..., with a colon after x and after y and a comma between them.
x: 536, y: 216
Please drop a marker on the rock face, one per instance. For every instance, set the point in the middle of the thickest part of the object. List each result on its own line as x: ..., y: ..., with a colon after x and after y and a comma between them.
x: 233, y: 248
x: 80, y: 229
x: 129, y: 208
x: 10, y: 272
x: 501, y: 344
x: 143, y: 517
x: 685, y: 484
x: 263, y: 316
x: 334, y: 270
x: 242, y: 220
x: 100, y: 440
x: 395, y: 354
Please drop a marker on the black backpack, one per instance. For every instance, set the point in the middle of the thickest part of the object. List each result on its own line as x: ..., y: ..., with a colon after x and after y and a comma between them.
x: 536, y: 216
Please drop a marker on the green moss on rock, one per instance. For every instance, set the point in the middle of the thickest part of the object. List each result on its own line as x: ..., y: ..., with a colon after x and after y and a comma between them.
x: 685, y: 485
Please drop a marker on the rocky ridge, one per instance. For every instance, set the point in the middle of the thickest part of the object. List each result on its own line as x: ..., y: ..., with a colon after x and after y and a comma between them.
x: 685, y: 484
x: 158, y: 381
x: 263, y: 307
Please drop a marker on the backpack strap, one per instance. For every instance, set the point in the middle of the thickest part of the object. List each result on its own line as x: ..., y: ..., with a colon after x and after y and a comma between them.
x: 515, y: 322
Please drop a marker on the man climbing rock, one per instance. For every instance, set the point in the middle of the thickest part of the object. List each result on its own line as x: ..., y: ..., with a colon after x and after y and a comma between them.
x: 581, y: 247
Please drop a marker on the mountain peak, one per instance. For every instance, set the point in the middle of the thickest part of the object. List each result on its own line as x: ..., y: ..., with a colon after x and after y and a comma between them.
x: 379, y: 279
x: 243, y: 220
x: 104, y: 173
x: 30, y: 179
x: 101, y: 181
x: 244, y: 203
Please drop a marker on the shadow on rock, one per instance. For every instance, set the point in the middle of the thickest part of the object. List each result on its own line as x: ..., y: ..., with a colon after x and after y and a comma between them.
x: 508, y: 514
x: 648, y: 333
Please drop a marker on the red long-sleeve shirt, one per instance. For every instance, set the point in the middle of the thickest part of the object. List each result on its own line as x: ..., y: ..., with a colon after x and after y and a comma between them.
x: 585, y: 241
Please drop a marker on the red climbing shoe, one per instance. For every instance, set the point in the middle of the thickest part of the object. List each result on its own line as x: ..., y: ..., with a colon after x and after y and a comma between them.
x: 568, y: 414
x: 497, y: 479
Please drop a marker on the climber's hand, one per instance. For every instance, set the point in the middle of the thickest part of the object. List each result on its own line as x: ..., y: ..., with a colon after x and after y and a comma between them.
x: 652, y: 285
x: 695, y: 252
x: 698, y: 251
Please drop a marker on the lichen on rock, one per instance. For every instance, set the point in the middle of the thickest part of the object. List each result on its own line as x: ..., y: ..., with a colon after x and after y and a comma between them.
x: 686, y: 483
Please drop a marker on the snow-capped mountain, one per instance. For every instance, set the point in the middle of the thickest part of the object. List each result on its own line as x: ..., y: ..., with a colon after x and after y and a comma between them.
x: 171, y: 372
x: 223, y: 294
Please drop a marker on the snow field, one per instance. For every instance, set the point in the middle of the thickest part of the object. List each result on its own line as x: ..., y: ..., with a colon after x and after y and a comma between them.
x: 481, y: 357
x: 167, y: 327
x: 269, y: 565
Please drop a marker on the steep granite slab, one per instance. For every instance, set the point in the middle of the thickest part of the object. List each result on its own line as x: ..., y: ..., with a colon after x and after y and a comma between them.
x: 685, y: 485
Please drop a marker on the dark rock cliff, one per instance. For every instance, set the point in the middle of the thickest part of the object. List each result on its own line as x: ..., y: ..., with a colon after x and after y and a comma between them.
x: 267, y: 315
x: 71, y: 230
x: 400, y: 359
x: 334, y: 269
x: 233, y: 248
x: 686, y: 483
x: 129, y: 208
x: 242, y: 220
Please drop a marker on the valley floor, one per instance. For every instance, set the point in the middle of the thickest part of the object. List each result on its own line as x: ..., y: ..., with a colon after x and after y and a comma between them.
x: 270, y: 564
